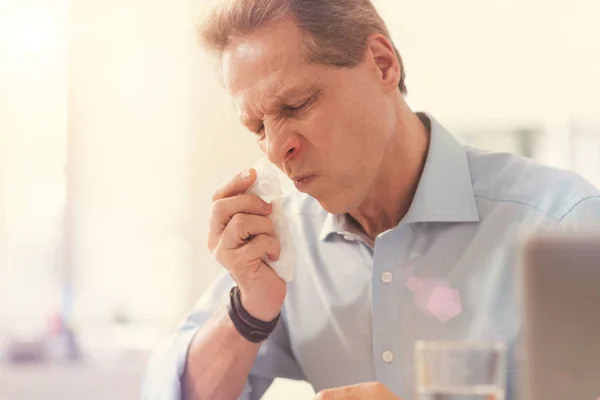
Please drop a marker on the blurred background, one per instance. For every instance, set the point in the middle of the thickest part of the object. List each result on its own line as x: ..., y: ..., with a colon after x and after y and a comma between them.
x: 114, y: 132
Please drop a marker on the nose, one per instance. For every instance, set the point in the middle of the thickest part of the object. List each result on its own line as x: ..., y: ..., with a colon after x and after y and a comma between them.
x: 283, y: 146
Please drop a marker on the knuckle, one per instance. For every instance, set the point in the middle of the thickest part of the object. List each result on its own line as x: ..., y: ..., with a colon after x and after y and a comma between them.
x: 260, y: 245
x: 237, y: 224
x: 251, y: 202
x: 247, y: 200
x: 217, y: 207
x: 260, y: 240
x: 217, y: 193
x: 276, y: 246
x: 236, y: 219
x: 265, y: 242
x: 245, y: 254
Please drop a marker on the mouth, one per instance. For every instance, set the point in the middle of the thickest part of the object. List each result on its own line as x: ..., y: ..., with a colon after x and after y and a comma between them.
x: 302, y: 181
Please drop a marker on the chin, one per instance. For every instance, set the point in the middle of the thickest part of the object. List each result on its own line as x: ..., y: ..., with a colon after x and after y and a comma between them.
x: 335, y: 204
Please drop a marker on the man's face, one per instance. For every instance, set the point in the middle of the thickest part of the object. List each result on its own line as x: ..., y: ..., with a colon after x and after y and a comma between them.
x: 325, y: 127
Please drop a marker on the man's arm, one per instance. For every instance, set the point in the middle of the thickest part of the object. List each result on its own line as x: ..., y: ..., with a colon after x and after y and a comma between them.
x: 219, y: 360
x: 166, y: 377
x: 216, y: 359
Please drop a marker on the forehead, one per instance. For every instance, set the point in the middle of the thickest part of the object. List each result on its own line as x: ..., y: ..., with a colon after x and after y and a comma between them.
x: 268, y: 63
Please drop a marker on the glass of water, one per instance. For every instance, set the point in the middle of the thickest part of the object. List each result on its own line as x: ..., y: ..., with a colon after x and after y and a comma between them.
x: 449, y: 370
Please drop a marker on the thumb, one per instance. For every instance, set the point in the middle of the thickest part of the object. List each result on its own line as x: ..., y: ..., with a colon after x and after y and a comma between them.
x: 236, y: 185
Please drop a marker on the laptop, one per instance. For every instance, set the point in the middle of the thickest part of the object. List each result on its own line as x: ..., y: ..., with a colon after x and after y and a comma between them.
x: 560, y: 289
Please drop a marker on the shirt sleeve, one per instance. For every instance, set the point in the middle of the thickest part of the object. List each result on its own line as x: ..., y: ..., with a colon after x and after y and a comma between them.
x: 163, y: 378
x: 585, y: 215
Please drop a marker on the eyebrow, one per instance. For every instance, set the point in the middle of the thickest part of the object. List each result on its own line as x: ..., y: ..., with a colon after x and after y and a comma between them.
x: 284, y: 97
x: 293, y: 92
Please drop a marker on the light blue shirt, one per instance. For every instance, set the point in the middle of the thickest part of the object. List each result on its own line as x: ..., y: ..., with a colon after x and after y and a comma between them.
x: 355, y: 310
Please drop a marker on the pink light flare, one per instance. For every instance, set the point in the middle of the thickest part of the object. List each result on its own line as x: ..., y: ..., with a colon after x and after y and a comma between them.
x: 444, y: 303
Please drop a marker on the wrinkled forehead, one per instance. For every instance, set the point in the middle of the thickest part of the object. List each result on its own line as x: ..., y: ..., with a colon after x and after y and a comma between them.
x: 263, y: 62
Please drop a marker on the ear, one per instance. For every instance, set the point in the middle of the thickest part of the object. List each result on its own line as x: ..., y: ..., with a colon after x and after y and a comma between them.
x: 381, y: 53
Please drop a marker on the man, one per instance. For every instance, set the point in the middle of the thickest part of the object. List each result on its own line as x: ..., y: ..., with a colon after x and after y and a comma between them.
x: 402, y: 232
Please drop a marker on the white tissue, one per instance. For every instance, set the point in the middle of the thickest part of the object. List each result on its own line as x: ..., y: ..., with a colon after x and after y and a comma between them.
x: 268, y: 188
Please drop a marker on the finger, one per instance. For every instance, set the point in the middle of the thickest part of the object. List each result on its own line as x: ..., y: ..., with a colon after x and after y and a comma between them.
x: 236, y: 185
x: 239, y: 261
x: 243, y: 227
x: 260, y: 246
x: 223, y: 211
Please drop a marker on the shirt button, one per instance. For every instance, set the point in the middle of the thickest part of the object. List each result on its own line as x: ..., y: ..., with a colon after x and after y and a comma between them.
x: 387, y: 356
x: 386, y: 277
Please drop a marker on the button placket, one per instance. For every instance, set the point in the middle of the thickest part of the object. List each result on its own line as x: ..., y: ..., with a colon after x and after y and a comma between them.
x: 391, y: 251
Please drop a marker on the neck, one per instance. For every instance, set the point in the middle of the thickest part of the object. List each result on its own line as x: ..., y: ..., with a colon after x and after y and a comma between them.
x: 397, y: 178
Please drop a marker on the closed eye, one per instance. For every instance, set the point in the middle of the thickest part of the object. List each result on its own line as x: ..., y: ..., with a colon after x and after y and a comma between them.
x: 288, y: 109
x: 301, y: 106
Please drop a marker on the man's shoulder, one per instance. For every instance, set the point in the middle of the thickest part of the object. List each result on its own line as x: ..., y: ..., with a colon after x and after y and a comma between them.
x: 510, y: 178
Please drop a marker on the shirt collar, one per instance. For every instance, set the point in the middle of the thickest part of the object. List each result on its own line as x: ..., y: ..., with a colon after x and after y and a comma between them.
x: 335, y: 223
x: 445, y: 191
